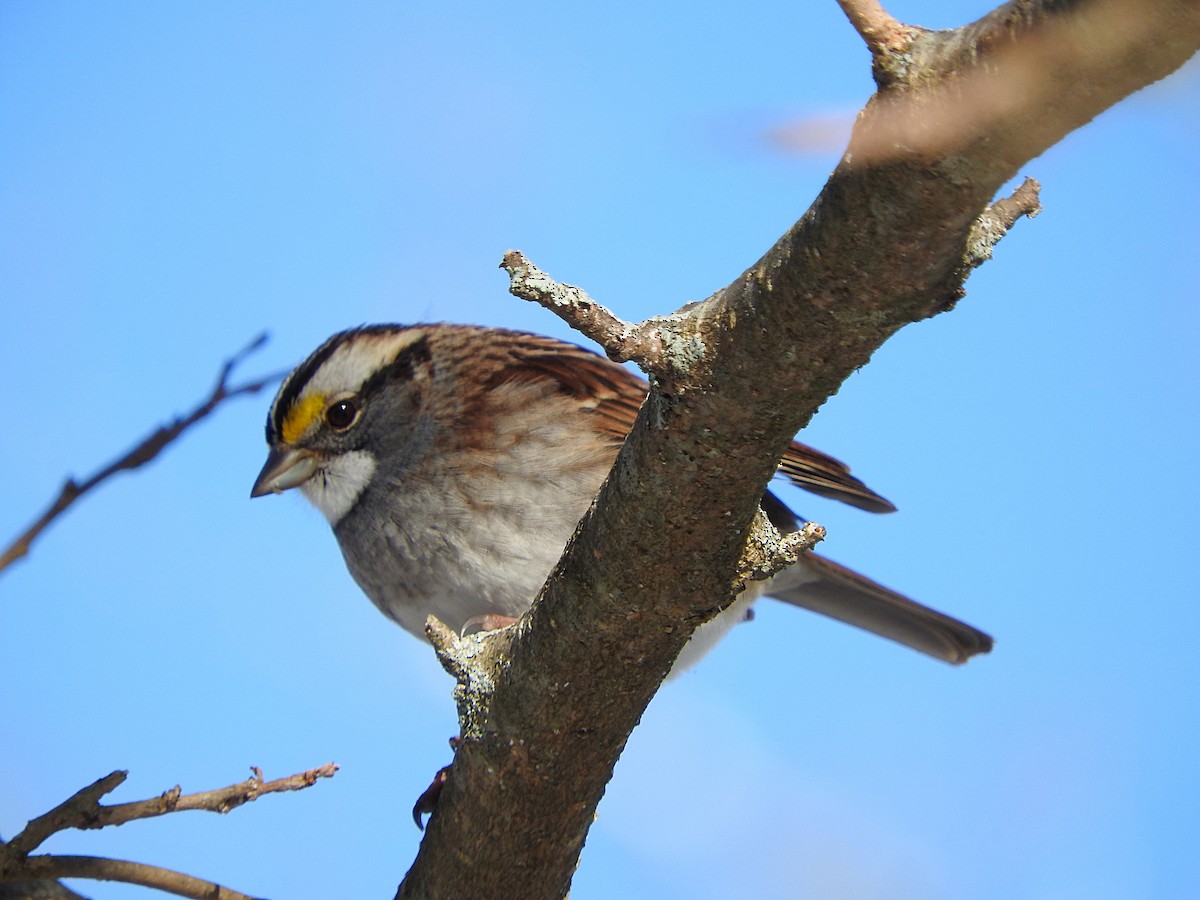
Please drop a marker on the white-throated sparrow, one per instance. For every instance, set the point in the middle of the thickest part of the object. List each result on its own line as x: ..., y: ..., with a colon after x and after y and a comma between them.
x: 454, y: 463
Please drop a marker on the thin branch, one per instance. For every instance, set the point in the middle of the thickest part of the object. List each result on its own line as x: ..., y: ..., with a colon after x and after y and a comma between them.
x: 144, y: 452
x: 83, y: 810
x: 101, y: 869
x: 220, y: 800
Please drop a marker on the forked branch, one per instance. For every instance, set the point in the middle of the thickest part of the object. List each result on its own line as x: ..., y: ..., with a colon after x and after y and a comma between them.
x: 84, y: 810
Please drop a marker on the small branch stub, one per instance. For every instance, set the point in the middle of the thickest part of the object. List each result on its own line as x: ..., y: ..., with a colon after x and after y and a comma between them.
x: 474, y: 661
x: 768, y: 551
x: 622, y: 341
x: 995, y: 221
x: 879, y: 31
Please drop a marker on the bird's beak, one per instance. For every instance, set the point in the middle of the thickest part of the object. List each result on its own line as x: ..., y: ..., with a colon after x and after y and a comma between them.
x: 286, y: 468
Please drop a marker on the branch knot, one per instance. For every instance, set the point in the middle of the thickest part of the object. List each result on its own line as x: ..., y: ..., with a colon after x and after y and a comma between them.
x: 768, y: 551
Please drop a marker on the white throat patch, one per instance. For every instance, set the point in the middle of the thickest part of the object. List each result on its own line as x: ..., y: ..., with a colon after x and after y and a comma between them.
x: 337, y: 484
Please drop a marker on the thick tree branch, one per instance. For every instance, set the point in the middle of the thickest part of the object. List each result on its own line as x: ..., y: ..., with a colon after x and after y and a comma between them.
x: 889, y: 241
x: 144, y: 452
x: 992, y: 95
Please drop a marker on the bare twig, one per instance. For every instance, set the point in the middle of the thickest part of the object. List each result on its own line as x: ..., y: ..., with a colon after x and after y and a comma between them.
x: 144, y: 452
x: 220, y: 800
x: 101, y: 869
x: 84, y: 810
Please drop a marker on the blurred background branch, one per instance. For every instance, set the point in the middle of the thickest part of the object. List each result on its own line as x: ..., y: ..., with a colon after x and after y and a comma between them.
x: 144, y: 452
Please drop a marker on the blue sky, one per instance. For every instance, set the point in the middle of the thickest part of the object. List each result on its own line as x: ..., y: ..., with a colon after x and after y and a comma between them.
x: 175, y: 178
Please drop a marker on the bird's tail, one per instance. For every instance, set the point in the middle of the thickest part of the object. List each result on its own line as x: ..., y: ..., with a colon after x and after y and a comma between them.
x: 826, y: 587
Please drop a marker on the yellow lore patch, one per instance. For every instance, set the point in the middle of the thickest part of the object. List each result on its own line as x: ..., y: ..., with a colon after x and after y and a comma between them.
x: 302, y: 414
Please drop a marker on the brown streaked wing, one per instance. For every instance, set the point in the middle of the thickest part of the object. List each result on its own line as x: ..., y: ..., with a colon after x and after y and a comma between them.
x: 825, y: 476
x: 618, y: 394
x: 615, y: 393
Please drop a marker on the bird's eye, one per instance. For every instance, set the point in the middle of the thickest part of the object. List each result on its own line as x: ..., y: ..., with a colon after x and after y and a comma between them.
x: 342, y: 414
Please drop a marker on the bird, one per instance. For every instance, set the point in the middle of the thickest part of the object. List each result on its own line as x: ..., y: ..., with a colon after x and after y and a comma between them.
x: 453, y: 463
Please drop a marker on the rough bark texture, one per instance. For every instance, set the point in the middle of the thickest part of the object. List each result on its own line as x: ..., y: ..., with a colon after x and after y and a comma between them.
x: 889, y: 241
